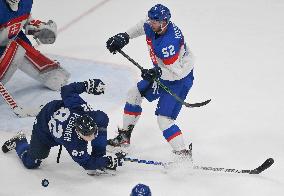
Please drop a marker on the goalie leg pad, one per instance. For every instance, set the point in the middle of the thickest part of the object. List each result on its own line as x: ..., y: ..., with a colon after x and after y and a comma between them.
x: 43, y: 69
x: 55, y: 79
x: 10, y: 60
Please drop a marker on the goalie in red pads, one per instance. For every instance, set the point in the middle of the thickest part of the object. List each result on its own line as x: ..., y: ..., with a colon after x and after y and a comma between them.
x: 17, y: 52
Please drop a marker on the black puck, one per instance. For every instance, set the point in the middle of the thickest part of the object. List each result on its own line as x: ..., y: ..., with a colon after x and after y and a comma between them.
x: 44, y: 183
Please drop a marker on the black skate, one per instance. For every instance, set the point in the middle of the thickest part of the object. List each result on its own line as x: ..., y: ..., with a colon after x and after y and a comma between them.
x: 11, y: 143
x: 122, y: 139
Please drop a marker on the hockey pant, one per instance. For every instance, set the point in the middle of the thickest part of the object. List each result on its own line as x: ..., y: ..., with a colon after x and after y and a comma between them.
x: 19, y: 54
x: 165, y: 117
x: 33, y: 153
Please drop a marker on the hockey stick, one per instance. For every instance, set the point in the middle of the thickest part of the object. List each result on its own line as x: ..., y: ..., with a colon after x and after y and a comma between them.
x: 190, y: 105
x: 19, y: 111
x: 266, y: 164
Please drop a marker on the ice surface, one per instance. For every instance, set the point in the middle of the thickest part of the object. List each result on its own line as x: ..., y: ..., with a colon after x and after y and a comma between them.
x: 239, y: 65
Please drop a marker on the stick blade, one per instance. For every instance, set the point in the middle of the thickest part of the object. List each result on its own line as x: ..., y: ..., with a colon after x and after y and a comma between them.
x: 194, y: 105
x: 265, y: 165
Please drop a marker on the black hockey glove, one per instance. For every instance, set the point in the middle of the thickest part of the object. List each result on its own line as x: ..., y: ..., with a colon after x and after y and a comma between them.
x: 117, y: 42
x: 95, y: 86
x: 115, y: 161
x: 150, y: 74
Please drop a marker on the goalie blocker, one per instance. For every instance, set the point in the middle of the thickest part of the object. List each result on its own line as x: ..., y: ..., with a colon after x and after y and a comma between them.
x: 20, y: 54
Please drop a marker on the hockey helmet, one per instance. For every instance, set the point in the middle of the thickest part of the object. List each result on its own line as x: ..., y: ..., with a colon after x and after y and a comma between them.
x: 141, y: 190
x: 14, y: 4
x: 86, y: 125
x: 159, y: 12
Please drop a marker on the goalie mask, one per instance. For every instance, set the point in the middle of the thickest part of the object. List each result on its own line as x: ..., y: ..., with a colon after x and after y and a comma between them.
x: 86, y: 125
x: 14, y: 4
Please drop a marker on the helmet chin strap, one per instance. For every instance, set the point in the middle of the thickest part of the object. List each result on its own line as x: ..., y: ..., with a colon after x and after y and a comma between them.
x: 162, y: 28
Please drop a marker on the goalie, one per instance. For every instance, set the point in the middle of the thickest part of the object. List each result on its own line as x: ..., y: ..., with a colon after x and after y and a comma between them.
x: 17, y: 52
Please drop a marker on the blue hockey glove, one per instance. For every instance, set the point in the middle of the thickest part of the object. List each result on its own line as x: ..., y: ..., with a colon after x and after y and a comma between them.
x: 117, y: 42
x: 151, y: 74
x: 95, y: 86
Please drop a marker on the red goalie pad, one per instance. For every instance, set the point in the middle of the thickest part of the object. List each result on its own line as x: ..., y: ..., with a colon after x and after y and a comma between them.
x: 40, y: 61
x: 7, y: 58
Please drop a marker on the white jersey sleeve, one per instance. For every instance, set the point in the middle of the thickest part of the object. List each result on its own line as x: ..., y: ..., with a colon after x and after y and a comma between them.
x: 180, y: 68
x: 136, y: 30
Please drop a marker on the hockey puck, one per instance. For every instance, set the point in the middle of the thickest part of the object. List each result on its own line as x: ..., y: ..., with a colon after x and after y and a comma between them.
x: 44, y: 183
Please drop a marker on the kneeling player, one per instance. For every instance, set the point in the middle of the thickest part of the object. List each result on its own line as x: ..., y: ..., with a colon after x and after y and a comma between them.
x: 72, y: 123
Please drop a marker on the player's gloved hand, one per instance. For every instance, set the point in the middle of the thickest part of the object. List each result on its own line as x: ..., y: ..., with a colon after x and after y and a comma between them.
x: 115, y: 161
x: 45, y: 32
x: 117, y: 42
x: 94, y: 86
x: 150, y: 74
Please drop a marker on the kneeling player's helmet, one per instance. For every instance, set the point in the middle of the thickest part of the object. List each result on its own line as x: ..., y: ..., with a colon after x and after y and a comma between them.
x: 141, y: 190
x: 14, y: 4
x: 86, y: 125
x: 159, y: 12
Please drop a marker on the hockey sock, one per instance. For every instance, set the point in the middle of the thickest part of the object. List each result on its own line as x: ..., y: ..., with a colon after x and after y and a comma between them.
x: 174, y: 136
x: 131, y: 115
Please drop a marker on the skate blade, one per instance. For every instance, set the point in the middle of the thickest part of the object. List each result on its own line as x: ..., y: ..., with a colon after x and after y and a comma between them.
x: 118, y: 149
x: 101, y: 173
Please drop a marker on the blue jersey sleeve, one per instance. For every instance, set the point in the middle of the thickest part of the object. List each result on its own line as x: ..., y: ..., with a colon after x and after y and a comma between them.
x: 80, y: 155
x: 71, y: 94
x: 99, y: 143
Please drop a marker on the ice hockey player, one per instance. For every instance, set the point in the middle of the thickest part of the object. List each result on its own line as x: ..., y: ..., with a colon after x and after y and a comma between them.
x: 173, y: 66
x: 69, y: 122
x: 16, y: 51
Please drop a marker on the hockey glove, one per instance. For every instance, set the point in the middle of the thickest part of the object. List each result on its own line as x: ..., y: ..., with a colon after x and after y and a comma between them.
x: 44, y: 32
x: 95, y: 86
x: 115, y: 161
x: 117, y: 42
x: 151, y: 74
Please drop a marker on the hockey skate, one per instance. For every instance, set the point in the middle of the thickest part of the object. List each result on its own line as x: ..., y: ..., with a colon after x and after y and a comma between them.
x: 182, y: 161
x: 101, y: 172
x: 11, y: 143
x: 121, y: 142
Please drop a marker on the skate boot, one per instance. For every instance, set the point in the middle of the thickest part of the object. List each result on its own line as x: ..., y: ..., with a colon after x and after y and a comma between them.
x: 122, y: 139
x: 11, y: 143
x: 184, y: 155
x: 182, y: 161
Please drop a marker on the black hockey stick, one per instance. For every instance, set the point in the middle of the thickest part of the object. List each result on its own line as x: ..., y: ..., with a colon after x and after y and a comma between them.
x: 190, y: 105
x: 266, y: 164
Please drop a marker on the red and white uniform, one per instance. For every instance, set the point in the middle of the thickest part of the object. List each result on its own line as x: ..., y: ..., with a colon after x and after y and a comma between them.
x: 16, y: 50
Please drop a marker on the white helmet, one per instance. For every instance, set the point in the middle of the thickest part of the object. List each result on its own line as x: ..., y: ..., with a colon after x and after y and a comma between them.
x: 14, y: 4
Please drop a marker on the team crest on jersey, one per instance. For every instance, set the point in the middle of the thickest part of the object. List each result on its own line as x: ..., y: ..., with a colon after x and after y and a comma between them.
x: 14, y: 29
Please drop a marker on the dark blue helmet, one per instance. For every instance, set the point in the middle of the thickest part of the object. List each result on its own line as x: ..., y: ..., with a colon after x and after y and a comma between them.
x: 141, y: 190
x: 86, y: 125
x: 159, y: 12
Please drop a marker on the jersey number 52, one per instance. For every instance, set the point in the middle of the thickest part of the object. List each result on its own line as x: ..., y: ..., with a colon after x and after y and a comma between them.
x: 168, y: 51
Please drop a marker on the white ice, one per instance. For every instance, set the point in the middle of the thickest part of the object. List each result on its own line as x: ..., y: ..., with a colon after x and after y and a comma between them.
x: 239, y: 65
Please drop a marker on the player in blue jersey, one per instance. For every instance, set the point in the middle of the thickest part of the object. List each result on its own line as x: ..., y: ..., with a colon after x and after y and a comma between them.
x: 172, y: 64
x: 17, y: 52
x: 69, y: 122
